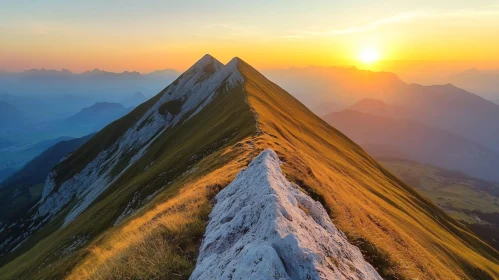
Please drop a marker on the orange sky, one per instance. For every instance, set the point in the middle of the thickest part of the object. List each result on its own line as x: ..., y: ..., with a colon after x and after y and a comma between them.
x: 153, y: 35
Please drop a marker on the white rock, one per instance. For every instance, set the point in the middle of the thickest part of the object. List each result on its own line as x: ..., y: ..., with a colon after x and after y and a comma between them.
x: 263, y: 227
x: 196, y: 88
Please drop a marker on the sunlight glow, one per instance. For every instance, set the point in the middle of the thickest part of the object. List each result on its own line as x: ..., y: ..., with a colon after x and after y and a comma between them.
x: 369, y: 55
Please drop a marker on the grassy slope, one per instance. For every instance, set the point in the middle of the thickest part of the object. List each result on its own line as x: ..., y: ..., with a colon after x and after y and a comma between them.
x: 467, y: 199
x: 200, y: 145
x: 403, y: 234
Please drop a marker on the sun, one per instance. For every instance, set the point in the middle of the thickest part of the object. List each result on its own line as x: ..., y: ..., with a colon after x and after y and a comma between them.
x: 369, y: 55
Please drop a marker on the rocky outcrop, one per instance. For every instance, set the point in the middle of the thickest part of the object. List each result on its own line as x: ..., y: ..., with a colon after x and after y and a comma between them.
x: 264, y: 227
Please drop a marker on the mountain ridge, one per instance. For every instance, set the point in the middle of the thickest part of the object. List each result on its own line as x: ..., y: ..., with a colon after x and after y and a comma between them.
x: 285, y: 223
x: 171, y: 155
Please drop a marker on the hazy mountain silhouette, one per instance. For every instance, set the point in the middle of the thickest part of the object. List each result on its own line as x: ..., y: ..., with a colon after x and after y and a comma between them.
x: 445, y: 107
x: 442, y: 106
x: 97, y: 116
x: 482, y: 82
x: 134, y: 99
x: 315, y: 86
x: 9, y: 115
x: 4, y: 143
x: 400, y: 138
x: 44, y: 93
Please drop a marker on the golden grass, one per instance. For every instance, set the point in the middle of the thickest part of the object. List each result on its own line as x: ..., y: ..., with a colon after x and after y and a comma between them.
x: 204, y: 143
x: 410, y: 237
x: 161, y: 242
x: 401, y: 233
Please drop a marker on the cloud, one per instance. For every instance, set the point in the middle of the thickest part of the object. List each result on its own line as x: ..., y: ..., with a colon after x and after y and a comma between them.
x: 395, y: 19
x: 404, y: 17
x: 232, y: 31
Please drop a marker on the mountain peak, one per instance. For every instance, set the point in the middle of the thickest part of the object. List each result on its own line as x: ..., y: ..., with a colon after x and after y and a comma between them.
x: 207, y: 61
x: 235, y: 60
x: 187, y: 143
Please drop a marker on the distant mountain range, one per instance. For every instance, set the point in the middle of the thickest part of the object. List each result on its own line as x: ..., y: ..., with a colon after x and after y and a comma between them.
x: 65, y: 73
x: 9, y: 115
x: 445, y: 107
x: 93, y: 118
x: 42, y: 93
x: 33, y: 137
x: 441, y: 106
x: 343, y: 86
x: 384, y: 136
x: 99, y: 114
x: 482, y: 82
x: 134, y: 99
x: 4, y: 143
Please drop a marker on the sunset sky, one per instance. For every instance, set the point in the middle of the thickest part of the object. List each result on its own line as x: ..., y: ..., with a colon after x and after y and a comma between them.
x: 149, y: 35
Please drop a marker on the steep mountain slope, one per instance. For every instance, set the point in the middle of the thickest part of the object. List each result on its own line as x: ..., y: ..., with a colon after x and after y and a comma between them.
x: 24, y: 188
x: 391, y: 137
x: 467, y: 199
x: 133, y: 202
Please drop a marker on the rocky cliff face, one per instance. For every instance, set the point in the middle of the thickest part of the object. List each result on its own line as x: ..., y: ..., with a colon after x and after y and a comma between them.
x: 264, y: 227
